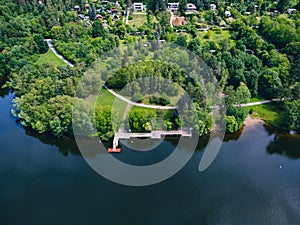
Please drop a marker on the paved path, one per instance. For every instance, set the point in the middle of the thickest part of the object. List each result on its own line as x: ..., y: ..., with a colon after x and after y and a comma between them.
x: 138, y: 104
x: 51, y: 46
x: 171, y: 19
x: 126, y: 16
x: 254, y: 103
x: 259, y: 103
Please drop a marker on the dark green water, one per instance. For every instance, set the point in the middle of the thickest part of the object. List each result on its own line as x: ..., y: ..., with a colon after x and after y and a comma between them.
x: 44, y: 181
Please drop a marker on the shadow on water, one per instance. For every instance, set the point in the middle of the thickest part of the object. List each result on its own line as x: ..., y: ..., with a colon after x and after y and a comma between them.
x: 65, y: 145
x: 283, y: 143
x: 233, y: 136
x: 3, y: 91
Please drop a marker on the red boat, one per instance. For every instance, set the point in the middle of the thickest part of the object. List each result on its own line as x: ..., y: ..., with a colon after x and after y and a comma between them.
x: 111, y: 150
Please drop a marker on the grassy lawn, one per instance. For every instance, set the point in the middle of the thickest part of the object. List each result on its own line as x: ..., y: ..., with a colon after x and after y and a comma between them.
x: 105, y: 98
x: 119, y: 107
x: 270, y: 113
x: 50, y: 58
x: 164, y: 114
x: 173, y: 99
x: 214, y: 35
x: 138, y: 20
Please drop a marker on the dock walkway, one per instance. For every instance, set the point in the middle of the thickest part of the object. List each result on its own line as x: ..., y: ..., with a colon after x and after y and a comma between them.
x: 158, y: 134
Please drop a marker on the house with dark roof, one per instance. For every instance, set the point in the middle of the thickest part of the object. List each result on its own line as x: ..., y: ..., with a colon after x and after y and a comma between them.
x: 115, y: 17
x: 81, y: 16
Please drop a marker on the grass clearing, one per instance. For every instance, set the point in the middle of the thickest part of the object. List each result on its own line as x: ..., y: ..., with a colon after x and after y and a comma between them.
x: 50, y: 58
x: 138, y: 20
x: 106, y: 99
x: 270, y: 113
x: 214, y: 35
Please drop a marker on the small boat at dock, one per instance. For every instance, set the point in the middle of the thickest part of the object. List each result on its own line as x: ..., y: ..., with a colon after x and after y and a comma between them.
x: 112, y: 150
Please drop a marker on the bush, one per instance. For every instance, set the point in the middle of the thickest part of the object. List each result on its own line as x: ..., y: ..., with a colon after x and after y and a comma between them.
x: 159, y: 100
x: 137, y: 97
x: 251, y: 111
x: 231, y: 124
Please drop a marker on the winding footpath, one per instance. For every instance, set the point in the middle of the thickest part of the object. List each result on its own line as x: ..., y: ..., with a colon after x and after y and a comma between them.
x: 138, y: 104
x: 52, y: 48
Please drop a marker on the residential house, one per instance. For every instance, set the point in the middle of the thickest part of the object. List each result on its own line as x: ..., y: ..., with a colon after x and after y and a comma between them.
x: 190, y: 7
x: 249, y: 51
x: 227, y: 13
x: 76, y: 8
x: 178, y: 21
x: 100, y: 10
x: 139, y: 7
x: 114, y: 11
x: 105, y: 3
x: 116, y: 4
x: 213, y: 7
x: 105, y: 25
x: 173, y: 6
x: 115, y: 17
x: 81, y: 16
x: 87, y: 24
x: 290, y: 11
x: 98, y: 16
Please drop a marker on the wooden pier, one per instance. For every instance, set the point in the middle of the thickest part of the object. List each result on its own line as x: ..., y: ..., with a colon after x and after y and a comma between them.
x: 158, y: 134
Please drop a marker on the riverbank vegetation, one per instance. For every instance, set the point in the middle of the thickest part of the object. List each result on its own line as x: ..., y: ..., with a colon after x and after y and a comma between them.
x: 252, y: 48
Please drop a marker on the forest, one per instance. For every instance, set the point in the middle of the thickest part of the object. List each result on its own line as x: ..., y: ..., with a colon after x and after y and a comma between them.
x: 254, y: 54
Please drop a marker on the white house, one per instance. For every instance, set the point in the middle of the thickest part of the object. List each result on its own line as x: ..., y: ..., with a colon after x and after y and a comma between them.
x: 190, y: 7
x: 290, y: 11
x: 139, y: 7
x: 105, y: 2
x: 227, y: 13
x: 213, y: 7
x: 173, y: 6
x: 76, y: 8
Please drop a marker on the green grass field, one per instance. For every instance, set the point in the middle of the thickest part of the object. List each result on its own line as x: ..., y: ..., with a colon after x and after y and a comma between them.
x: 138, y: 20
x: 106, y: 99
x: 270, y: 113
x: 50, y: 58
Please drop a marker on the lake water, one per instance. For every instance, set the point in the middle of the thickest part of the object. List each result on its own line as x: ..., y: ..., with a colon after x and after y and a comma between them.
x: 43, y: 180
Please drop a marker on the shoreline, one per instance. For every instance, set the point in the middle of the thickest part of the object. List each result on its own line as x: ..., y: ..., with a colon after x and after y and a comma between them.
x: 249, y: 121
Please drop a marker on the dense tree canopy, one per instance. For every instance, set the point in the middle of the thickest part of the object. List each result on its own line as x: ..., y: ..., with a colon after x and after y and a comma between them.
x: 254, y: 53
